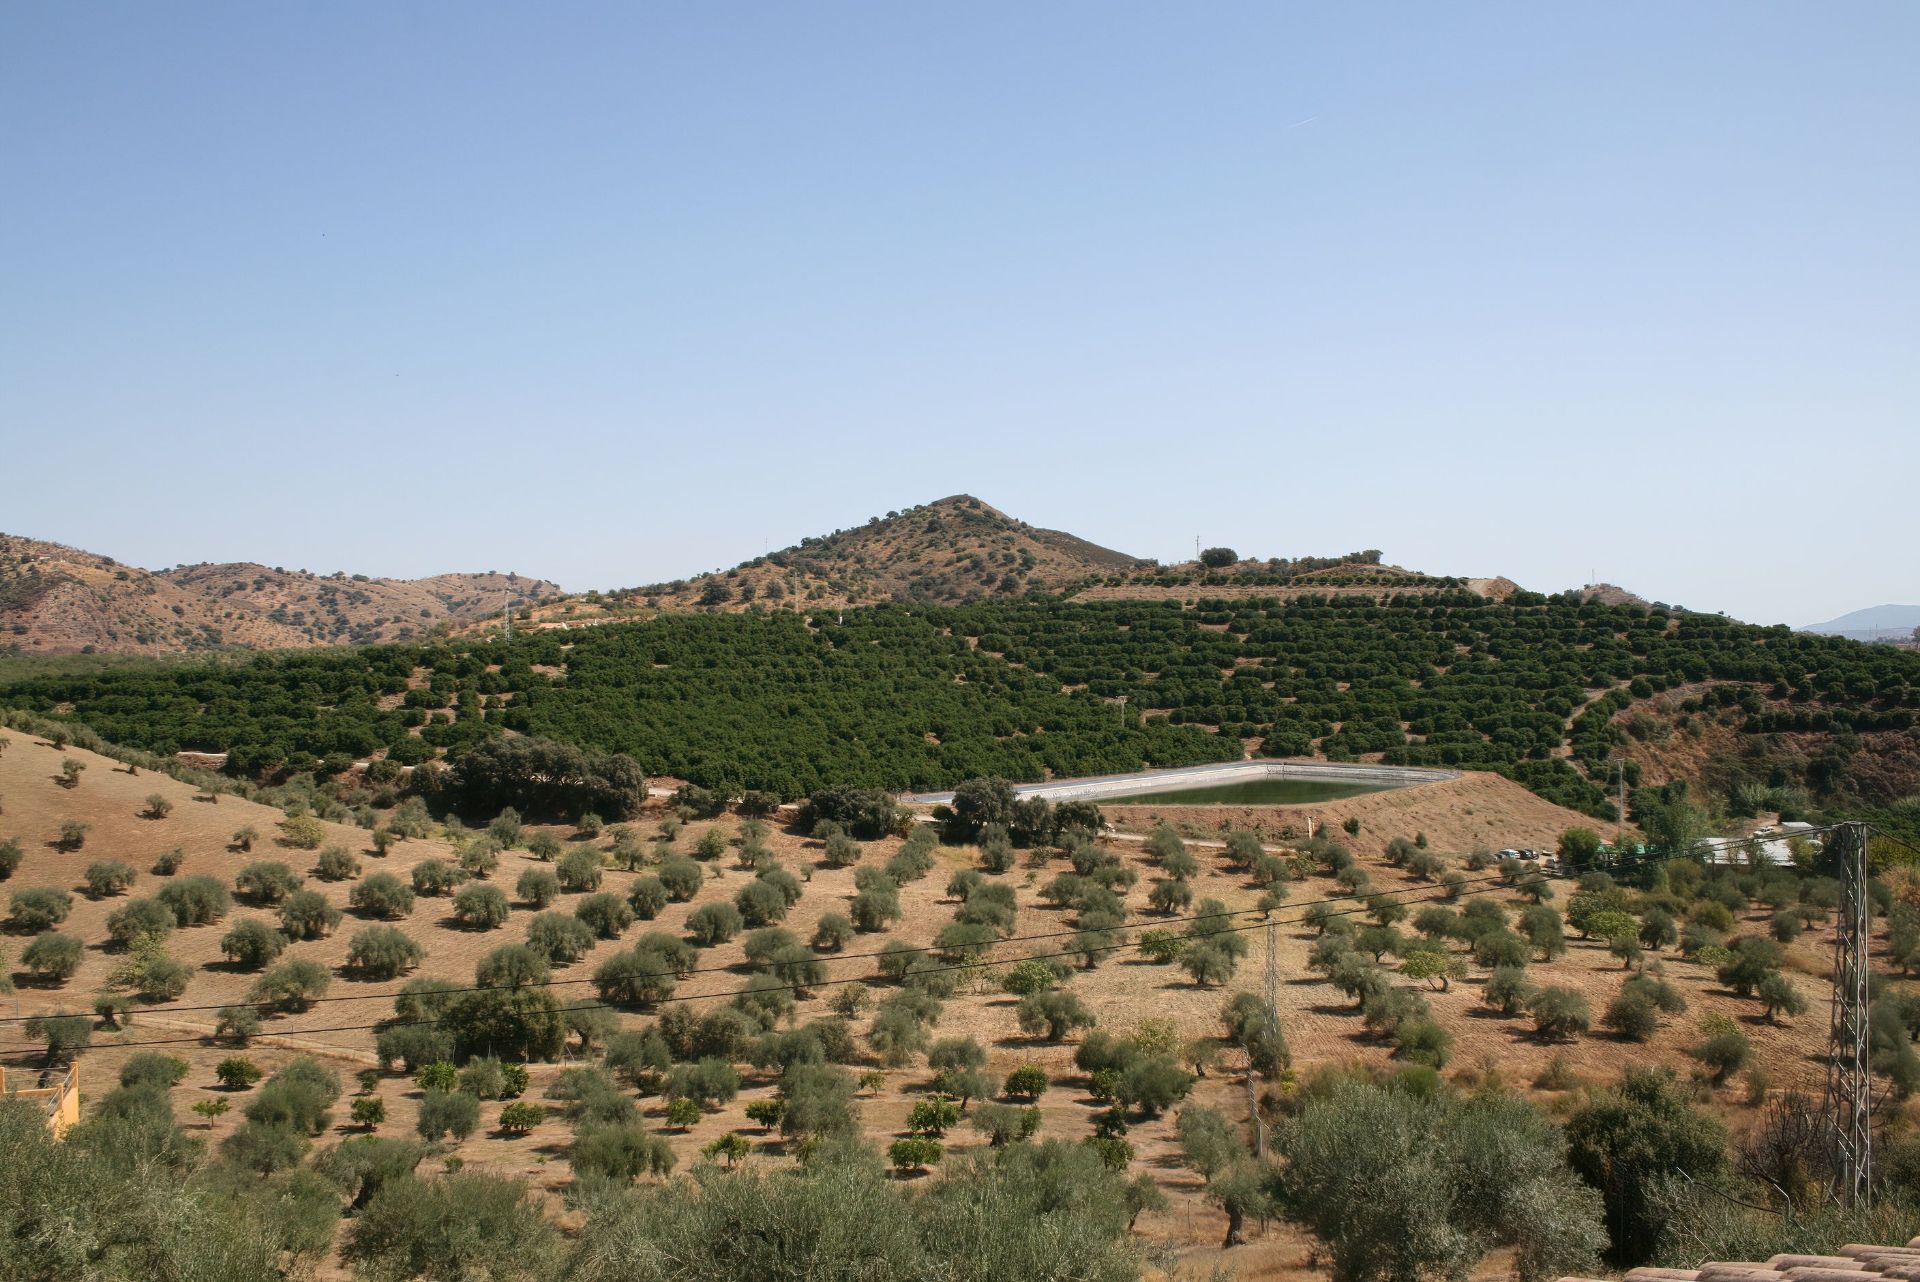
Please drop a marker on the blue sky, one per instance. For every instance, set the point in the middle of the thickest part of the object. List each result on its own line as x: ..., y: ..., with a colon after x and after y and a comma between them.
x: 617, y: 293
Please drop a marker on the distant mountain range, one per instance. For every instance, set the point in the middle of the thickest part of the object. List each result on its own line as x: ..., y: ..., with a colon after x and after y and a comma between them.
x: 60, y: 600
x: 1875, y: 623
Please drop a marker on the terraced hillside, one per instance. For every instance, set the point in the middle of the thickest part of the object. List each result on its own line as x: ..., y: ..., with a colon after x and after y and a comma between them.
x: 1545, y: 691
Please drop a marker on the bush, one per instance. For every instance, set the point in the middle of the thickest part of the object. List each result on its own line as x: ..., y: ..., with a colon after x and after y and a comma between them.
x: 915, y: 1153
x: 605, y: 914
x: 538, y: 887
x: 1559, y: 1013
x: 108, y: 877
x: 148, y: 1068
x: 559, y: 938
x: 1632, y: 1015
x: 53, y: 957
x: 1508, y: 990
x: 1724, y: 1052
x: 307, y: 915
x: 237, y: 1072
x: 579, y: 870
x: 39, y: 908
x: 290, y: 985
x: 236, y: 1024
x: 336, y: 863
x: 647, y: 896
x: 382, y: 952
x: 252, y: 943
x: 267, y: 883
x: 639, y: 978
x: 479, y: 857
x: 302, y: 832
x: 435, y: 877
x: 713, y: 924
x: 523, y: 1115
x: 1052, y: 1015
x: 444, y: 1113
x: 480, y: 906
x: 1389, y: 1180
x: 64, y: 1032
x: 139, y: 919
x: 682, y: 878
x: 621, y: 1151
x: 381, y: 895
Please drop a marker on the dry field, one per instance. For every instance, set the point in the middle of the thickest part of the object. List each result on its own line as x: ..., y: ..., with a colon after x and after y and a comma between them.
x: 1320, y: 1025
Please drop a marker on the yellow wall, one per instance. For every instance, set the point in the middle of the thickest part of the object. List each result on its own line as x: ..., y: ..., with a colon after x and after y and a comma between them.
x: 61, y: 1099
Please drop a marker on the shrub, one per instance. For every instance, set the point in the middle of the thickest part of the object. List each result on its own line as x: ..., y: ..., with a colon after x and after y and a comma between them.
x: 382, y: 952
x: 168, y: 862
x: 307, y: 915
x: 713, y: 924
x: 252, y: 943
x: 1781, y: 996
x: 10, y: 857
x: 1052, y: 1015
x: 559, y: 938
x: 605, y: 914
x: 538, y: 887
x: 108, y: 877
x: 1559, y: 1013
x: 381, y: 895
x: 480, y: 906
x: 336, y: 863
x: 39, y: 908
x: 523, y: 1115
x: 579, y: 870
x: 1631, y: 1015
x: 139, y: 919
x: 1508, y: 990
x: 237, y: 1072
x: 1724, y: 1051
x: 237, y: 1024
x: 196, y: 901
x: 478, y: 858
x: 53, y: 957
x: 149, y: 1068
x: 544, y: 846
x: 64, y: 1032
x: 647, y: 896
x: 444, y: 1113
x: 639, y: 978
x: 682, y: 878
x: 302, y: 832
x: 914, y: 1153
x: 290, y: 985
x: 435, y: 877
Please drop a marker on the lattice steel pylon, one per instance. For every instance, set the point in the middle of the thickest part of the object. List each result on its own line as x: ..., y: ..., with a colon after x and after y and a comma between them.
x: 1849, y: 1078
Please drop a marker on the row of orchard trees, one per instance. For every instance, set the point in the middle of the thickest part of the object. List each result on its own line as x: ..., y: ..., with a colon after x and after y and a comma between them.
x: 898, y: 697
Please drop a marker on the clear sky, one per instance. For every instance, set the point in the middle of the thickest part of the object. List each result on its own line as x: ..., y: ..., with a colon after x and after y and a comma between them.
x: 613, y: 293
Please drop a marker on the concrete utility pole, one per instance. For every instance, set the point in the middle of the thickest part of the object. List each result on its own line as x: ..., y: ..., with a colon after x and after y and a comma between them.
x: 1849, y: 1078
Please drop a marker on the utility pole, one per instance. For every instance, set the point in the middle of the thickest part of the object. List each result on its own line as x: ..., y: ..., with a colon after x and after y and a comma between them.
x: 1273, y: 1028
x: 1849, y: 1079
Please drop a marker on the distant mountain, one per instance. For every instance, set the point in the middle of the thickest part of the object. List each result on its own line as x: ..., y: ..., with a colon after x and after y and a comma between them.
x: 1876, y: 622
x: 60, y: 600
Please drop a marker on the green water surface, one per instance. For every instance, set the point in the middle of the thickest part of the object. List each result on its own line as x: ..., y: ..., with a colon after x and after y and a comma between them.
x: 1254, y: 792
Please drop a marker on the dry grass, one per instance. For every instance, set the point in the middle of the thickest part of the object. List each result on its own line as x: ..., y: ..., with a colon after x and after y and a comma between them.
x: 1123, y: 990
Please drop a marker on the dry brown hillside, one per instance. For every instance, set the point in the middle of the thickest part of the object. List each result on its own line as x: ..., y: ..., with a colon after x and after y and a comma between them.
x: 954, y: 549
x: 60, y: 600
x: 1124, y: 990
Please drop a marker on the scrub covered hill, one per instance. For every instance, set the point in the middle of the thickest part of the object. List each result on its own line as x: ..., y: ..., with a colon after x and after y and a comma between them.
x: 60, y: 600
x: 951, y: 550
x: 1542, y: 690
